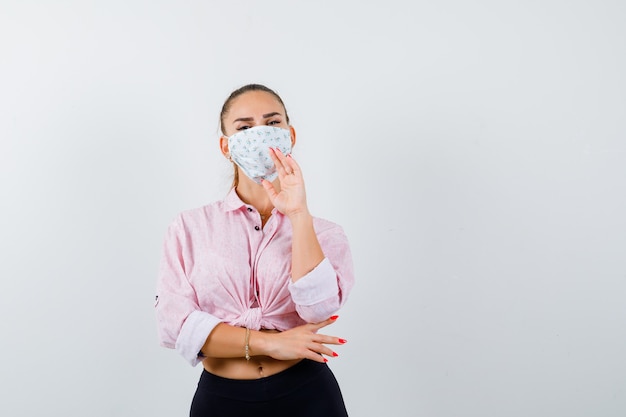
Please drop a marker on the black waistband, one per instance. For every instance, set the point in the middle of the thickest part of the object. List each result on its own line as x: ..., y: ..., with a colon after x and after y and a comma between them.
x: 265, y: 388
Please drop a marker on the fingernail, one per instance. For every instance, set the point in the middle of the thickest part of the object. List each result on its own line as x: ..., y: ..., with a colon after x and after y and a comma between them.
x: 334, y: 317
x: 325, y: 360
x: 342, y: 341
x: 335, y: 354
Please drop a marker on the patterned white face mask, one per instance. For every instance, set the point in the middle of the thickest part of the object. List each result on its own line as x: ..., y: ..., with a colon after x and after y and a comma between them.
x: 249, y: 149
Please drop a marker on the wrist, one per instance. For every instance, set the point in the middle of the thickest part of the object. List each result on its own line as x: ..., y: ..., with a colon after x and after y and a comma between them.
x: 300, y: 218
x: 258, y: 342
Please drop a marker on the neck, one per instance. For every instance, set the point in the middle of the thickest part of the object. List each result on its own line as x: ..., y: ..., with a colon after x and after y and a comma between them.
x: 254, y: 194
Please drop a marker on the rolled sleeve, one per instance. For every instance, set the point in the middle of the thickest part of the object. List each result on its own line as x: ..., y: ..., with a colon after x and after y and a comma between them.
x: 321, y: 293
x: 315, y: 287
x: 182, y: 325
x: 193, y: 335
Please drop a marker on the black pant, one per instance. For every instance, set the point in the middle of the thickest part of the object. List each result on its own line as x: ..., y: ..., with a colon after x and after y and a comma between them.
x: 306, y: 389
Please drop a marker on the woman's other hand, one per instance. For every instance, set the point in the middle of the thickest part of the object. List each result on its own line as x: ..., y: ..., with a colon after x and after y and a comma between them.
x: 302, y: 342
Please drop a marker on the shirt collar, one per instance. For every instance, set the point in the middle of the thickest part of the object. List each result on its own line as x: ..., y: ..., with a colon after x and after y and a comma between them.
x: 232, y: 201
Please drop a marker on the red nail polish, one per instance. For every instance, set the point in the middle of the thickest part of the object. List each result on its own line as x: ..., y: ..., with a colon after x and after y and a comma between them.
x: 325, y: 360
x: 342, y: 341
x: 335, y: 354
x: 334, y: 317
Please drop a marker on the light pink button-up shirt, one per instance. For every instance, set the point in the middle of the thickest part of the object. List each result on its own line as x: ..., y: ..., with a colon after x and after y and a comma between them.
x: 220, y: 265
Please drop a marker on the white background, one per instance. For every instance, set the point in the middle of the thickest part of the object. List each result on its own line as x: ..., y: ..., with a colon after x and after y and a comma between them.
x: 474, y: 152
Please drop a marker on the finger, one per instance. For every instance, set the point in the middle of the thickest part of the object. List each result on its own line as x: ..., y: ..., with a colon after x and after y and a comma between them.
x: 279, y: 161
x: 291, y: 166
x: 315, y: 357
x: 323, y: 350
x: 325, y: 323
x: 295, y: 168
x: 313, y: 351
x: 269, y: 188
x: 330, y: 340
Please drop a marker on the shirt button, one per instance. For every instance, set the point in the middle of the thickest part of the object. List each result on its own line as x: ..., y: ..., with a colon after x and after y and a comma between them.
x: 250, y: 209
x: 257, y: 228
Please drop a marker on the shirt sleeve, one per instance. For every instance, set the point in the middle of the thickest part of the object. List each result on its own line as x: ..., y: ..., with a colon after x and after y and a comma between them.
x: 180, y: 322
x: 323, y: 291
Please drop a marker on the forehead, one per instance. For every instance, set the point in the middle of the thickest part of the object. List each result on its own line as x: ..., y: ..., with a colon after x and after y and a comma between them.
x: 254, y: 103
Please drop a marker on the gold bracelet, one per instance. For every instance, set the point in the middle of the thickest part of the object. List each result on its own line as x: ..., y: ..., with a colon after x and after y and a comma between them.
x: 247, y: 347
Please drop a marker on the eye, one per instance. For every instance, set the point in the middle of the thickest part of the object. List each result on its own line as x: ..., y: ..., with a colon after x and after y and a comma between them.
x: 243, y: 127
x: 273, y: 122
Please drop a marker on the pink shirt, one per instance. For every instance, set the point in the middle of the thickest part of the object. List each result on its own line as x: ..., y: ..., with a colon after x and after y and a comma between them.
x: 220, y: 265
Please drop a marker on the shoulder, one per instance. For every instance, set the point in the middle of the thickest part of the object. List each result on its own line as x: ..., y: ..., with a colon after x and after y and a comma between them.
x: 322, y: 225
x: 198, y: 216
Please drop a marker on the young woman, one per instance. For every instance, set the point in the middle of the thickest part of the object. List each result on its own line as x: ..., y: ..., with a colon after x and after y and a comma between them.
x: 246, y: 283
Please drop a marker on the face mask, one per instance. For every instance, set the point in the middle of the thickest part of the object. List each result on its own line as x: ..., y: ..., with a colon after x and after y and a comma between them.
x: 249, y: 149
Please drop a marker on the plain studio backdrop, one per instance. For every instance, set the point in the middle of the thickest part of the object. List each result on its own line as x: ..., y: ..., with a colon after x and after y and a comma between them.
x: 474, y: 152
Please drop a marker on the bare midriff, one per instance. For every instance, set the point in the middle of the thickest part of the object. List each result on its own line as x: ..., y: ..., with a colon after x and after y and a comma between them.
x: 240, y: 368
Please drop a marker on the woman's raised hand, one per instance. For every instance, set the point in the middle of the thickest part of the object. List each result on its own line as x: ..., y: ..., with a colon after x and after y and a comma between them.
x: 291, y: 198
x: 302, y: 342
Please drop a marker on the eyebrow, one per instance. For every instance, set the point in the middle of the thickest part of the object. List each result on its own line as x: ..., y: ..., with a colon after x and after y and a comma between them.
x: 265, y: 116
